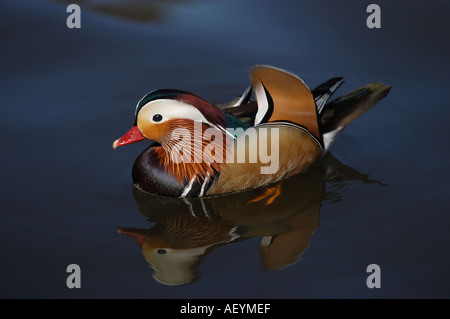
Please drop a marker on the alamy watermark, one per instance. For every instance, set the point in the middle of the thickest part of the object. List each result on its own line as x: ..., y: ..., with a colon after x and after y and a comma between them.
x: 251, y: 146
x: 374, y: 19
x: 374, y: 279
x: 73, y: 21
x: 74, y: 279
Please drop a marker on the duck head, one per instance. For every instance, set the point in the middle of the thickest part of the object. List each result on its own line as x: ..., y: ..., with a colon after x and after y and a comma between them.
x: 177, y: 120
x: 161, y: 111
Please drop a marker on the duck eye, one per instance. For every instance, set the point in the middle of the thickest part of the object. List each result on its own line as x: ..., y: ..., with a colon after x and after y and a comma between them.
x: 157, y: 118
x: 161, y: 251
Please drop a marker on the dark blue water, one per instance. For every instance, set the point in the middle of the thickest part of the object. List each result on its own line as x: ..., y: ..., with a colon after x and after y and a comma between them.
x: 67, y: 94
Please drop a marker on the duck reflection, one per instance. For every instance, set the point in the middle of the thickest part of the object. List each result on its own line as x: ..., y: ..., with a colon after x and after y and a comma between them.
x: 285, y: 215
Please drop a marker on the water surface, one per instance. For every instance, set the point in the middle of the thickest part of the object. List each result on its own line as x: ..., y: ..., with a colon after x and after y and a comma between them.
x: 66, y: 196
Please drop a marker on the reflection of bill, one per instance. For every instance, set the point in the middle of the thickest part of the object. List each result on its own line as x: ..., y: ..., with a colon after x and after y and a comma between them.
x: 185, y: 231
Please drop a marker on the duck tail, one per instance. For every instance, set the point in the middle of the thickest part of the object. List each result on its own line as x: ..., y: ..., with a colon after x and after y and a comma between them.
x: 336, y: 115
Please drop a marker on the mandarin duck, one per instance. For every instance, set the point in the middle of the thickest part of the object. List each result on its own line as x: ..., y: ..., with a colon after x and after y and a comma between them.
x: 185, y: 231
x: 199, y: 149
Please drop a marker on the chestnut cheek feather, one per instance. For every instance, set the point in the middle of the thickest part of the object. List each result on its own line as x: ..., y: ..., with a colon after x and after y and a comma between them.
x: 196, y: 166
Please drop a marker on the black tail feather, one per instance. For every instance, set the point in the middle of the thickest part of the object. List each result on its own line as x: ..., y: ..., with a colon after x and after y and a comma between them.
x: 323, y: 92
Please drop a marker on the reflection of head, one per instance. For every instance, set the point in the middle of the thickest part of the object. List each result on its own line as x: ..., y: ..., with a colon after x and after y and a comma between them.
x: 174, y: 266
x: 178, y: 243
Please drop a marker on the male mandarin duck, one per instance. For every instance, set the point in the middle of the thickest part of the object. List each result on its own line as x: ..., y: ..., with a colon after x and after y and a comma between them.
x: 200, y: 149
x: 183, y: 232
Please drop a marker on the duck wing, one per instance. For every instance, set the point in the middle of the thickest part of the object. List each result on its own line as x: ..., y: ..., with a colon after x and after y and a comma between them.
x: 284, y: 97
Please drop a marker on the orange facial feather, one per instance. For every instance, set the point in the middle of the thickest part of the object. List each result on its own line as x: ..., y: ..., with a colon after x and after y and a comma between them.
x: 188, y: 154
